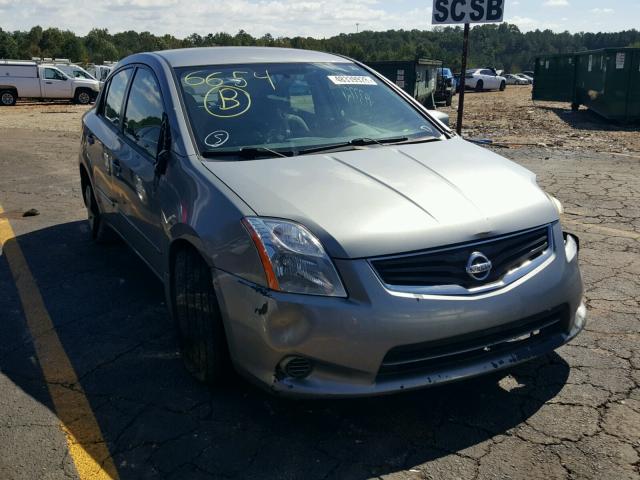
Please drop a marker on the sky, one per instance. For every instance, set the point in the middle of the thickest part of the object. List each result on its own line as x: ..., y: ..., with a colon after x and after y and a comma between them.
x: 316, y: 18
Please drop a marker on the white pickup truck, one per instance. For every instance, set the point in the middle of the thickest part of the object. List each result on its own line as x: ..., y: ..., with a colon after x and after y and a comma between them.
x: 23, y: 79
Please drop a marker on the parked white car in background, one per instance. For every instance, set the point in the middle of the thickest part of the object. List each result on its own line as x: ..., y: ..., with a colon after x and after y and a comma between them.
x: 480, y: 79
x: 24, y: 79
x: 525, y: 78
x: 515, y: 80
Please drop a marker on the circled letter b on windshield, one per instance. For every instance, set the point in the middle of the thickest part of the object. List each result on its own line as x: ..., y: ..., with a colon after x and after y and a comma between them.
x: 228, y: 98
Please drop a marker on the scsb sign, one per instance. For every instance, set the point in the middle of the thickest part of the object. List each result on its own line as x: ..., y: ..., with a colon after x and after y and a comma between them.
x: 467, y: 11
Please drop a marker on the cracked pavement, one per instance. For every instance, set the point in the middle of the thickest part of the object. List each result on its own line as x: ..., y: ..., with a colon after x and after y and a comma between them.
x: 572, y: 415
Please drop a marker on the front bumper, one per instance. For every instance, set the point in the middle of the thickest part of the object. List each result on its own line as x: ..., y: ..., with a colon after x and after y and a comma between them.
x: 347, y: 339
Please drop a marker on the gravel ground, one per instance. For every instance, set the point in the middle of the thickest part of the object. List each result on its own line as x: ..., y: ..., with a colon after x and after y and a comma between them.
x: 42, y: 116
x: 511, y: 116
x: 572, y: 415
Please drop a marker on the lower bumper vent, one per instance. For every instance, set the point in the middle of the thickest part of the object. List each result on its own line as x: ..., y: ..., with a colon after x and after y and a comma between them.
x: 296, y: 367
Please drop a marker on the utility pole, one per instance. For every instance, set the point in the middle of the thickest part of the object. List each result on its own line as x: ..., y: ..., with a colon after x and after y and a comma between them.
x: 463, y: 83
x: 357, y: 27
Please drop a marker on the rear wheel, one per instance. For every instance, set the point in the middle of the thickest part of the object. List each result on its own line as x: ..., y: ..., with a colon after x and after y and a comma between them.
x: 202, y: 338
x: 479, y: 86
x: 8, y: 98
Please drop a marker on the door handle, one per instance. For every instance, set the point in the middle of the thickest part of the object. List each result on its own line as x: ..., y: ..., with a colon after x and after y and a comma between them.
x: 49, y: 83
x: 115, y: 163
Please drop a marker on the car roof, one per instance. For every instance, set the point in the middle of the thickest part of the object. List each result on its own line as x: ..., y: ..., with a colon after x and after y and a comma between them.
x: 187, y: 57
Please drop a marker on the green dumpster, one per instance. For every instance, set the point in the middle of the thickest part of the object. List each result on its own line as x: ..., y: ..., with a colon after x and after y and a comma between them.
x: 606, y: 81
x: 554, y: 78
x: 416, y: 77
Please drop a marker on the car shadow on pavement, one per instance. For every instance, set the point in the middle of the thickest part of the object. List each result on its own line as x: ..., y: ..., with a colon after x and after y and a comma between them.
x: 109, y: 312
x: 585, y: 119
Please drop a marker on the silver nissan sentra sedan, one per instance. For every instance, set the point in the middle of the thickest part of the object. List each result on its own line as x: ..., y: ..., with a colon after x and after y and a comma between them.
x: 319, y: 230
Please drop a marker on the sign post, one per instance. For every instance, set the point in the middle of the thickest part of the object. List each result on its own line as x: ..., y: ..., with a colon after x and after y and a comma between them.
x: 446, y: 12
x: 463, y: 81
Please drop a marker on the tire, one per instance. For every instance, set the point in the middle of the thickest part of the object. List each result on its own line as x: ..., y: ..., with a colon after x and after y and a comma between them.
x: 98, y: 229
x: 200, y: 329
x: 449, y: 100
x: 575, y: 107
x: 503, y: 86
x: 8, y: 98
x: 82, y: 97
x: 479, y: 86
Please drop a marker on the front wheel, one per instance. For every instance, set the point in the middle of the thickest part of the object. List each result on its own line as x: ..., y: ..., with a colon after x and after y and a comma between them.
x: 82, y: 97
x: 99, y: 231
x: 503, y: 85
x: 202, y: 338
x: 8, y: 98
x: 449, y: 100
x: 479, y: 86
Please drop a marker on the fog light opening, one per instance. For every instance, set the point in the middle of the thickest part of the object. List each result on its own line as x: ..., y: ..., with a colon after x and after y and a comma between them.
x: 571, y: 246
x: 296, y: 367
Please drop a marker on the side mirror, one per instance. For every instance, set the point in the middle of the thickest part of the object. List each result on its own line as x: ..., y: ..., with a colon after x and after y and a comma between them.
x: 443, y: 117
x: 164, y: 147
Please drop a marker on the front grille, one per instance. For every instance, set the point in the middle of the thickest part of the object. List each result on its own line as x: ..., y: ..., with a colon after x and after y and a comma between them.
x: 474, y: 347
x: 448, y: 266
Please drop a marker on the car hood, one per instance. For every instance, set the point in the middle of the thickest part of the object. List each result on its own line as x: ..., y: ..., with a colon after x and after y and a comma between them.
x: 386, y: 200
x: 86, y: 82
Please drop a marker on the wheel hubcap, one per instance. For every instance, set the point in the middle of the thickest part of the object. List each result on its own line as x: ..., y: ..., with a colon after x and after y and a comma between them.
x: 7, y: 98
x: 84, y: 98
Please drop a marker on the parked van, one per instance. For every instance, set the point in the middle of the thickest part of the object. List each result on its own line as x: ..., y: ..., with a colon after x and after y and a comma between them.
x: 28, y: 79
x: 101, y: 72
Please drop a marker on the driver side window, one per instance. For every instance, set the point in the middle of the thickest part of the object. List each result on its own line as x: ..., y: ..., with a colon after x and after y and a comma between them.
x: 52, y: 74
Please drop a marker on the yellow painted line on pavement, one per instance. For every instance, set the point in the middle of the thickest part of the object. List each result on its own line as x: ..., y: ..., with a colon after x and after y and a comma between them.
x: 84, y: 438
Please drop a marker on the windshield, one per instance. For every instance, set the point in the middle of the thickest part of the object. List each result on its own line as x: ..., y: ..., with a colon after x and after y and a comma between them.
x: 289, y: 108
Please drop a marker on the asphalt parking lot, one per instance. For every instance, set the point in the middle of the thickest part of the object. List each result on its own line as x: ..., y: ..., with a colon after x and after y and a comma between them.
x: 91, y: 383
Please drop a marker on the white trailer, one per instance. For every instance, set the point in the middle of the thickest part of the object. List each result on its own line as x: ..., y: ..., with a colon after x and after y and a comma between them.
x: 24, y: 79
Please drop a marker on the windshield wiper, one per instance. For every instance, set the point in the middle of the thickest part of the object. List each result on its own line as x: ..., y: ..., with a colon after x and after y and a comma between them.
x: 420, y: 140
x: 250, y: 153
x: 356, y: 142
x: 246, y: 153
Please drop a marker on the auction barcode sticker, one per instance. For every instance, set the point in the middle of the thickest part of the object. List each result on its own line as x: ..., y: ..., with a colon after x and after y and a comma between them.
x: 351, y: 80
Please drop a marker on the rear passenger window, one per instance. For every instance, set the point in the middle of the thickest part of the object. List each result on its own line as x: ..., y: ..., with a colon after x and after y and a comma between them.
x: 115, y: 94
x: 143, y: 115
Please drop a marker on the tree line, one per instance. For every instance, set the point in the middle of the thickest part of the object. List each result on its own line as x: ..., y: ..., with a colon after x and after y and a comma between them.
x: 502, y: 46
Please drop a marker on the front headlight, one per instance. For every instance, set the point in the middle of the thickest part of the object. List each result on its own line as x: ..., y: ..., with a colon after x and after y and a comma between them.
x: 293, y: 258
